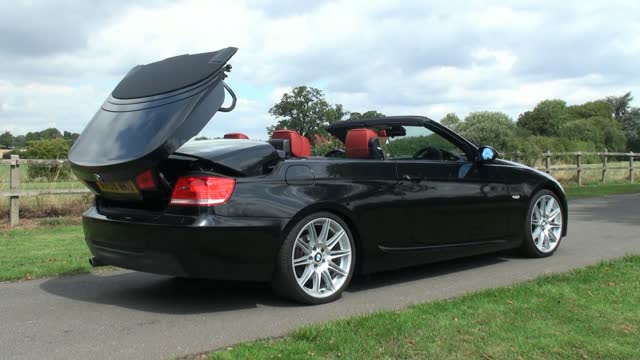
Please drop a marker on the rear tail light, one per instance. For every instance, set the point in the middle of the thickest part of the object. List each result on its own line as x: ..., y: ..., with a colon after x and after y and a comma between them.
x: 145, y: 180
x: 202, y: 191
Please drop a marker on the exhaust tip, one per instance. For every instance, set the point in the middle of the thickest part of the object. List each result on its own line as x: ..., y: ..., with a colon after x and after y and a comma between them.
x: 93, y: 261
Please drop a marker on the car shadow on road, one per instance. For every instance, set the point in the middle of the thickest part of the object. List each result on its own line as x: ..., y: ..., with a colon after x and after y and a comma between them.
x: 421, y: 272
x: 166, y: 295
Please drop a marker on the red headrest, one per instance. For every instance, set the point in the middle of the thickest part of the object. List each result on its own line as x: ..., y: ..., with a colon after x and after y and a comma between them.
x: 306, y: 147
x: 300, y: 146
x: 235, y: 136
x: 357, y: 143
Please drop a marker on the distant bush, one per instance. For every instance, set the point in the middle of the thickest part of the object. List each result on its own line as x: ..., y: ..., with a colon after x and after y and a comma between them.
x: 57, y: 148
x: 532, y: 147
x: 603, y: 132
x: 8, y: 154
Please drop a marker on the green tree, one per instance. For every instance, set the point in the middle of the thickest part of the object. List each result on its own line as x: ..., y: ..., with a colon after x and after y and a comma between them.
x: 451, y: 120
x: 6, y: 140
x: 631, y: 128
x: 20, y: 141
x: 545, y: 119
x: 488, y: 128
x: 620, y: 105
x: 370, y: 114
x: 598, y: 108
x: 582, y: 129
x: 57, y: 148
x: 603, y: 132
x: 335, y: 113
x: 50, y: 133
x: 199, y: 138
x: 305, y: 110
x: 71, y: 137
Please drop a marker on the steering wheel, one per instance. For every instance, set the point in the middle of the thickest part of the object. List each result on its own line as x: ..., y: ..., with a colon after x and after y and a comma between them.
x: 449, y: 156
x: 335, y: 153
x: 428, y: 153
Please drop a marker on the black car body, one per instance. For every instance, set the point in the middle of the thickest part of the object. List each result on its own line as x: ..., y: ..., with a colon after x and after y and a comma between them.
x: 400, y: 212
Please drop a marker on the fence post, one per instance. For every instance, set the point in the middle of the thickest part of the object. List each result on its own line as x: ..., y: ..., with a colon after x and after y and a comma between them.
x: 517, y: 159
x: 579, y: 168
x: 14, y: 181
x: 604, y: 166
x: 631, y: 166
x: 547, y: 162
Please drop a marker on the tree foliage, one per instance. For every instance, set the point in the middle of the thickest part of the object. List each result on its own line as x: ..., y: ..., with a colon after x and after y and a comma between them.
x: 545, y: 119
x: 451, y: 120
x: 370, y: 114
x: 620, y: 105
x: 488, y: 128
x: 6, y: 140
x: 631, y: 128
x: 530, y: 147
x: 50, y: 133
x: 583, y: 129
x: 305, y: 110
x: 598, y: 108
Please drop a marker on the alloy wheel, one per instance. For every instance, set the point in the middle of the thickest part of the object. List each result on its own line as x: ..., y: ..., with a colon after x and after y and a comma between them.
x: 322, y: 257
x: 546, y: 223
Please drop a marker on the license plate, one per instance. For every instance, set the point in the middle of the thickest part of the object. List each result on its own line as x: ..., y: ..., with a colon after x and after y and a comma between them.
x: 125, y: 187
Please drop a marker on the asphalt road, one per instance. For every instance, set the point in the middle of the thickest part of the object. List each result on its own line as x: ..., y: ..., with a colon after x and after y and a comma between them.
x: 128, y: 315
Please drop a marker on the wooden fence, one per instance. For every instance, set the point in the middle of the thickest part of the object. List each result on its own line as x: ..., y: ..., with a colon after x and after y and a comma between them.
x: 579, y: 169
x: 14, y: 193
x: 14, y: 163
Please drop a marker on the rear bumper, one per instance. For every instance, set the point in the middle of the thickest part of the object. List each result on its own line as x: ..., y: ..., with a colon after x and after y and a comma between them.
x: 210, y: 247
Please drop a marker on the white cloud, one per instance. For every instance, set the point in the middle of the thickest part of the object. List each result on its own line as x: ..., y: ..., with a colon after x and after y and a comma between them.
x: 399, y: 58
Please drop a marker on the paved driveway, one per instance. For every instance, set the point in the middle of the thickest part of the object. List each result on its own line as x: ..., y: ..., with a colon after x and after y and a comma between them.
x: 140, y: 316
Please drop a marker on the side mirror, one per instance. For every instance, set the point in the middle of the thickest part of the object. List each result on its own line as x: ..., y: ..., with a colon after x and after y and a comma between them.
x: 487, y: 154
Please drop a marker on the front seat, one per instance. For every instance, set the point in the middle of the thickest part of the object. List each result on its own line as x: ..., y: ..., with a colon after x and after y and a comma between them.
x: 363, y: 144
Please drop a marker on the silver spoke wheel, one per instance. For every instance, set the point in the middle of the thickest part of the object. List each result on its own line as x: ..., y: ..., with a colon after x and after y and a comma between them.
x: 321, y: 257
x: 546, y: 223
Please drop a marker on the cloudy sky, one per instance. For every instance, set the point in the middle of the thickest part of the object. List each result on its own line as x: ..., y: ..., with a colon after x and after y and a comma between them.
x: 59, y: 60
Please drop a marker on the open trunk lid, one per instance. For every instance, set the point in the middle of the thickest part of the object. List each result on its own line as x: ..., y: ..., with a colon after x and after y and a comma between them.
x: 153, y: 111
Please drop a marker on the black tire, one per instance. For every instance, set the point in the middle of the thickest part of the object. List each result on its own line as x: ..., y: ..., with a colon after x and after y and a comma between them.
x: 284, y: 281
x: 528, y: 247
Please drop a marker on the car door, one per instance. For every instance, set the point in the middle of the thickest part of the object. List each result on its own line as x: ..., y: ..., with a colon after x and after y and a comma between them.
x: 450, y: 200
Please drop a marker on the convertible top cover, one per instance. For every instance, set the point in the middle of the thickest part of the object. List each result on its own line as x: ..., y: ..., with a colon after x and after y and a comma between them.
x: 155, y: 109
x: 171, y: 74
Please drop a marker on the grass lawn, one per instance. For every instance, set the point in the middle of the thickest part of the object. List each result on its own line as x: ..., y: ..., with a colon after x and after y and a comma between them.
x: 574, y: 192
x: 591, y: 313
x: 43, y: 251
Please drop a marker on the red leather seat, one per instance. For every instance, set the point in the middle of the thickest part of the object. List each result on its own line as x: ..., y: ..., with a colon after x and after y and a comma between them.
x: 362, y: 144
x: 235, y: 136
x: 306, y: 147
x: 300, y: 145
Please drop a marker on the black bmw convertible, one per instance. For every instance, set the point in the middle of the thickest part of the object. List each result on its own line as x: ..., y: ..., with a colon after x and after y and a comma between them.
x: 399, y: 192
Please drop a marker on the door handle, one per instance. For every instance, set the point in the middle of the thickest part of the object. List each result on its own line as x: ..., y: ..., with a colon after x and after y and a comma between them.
x: 412, y: 178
